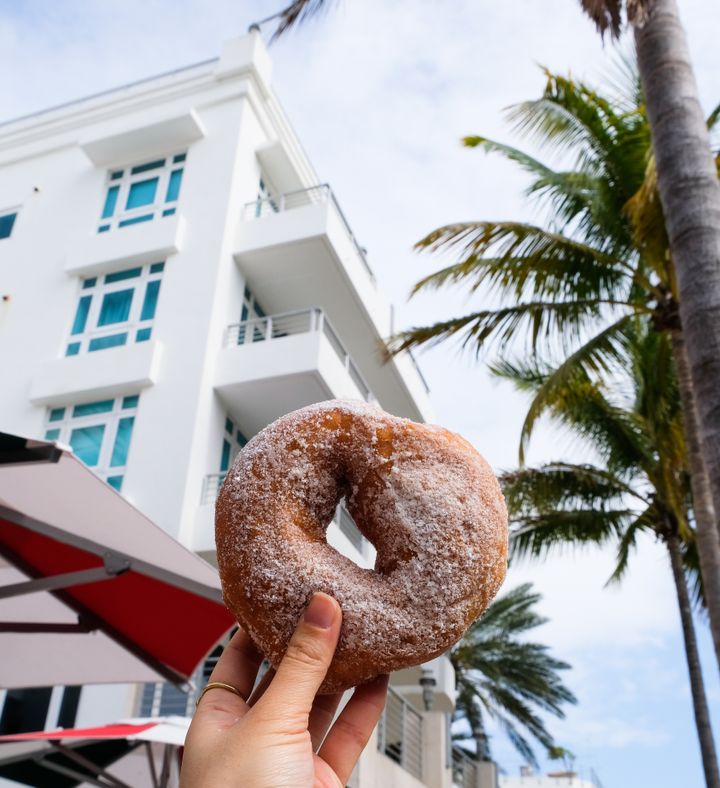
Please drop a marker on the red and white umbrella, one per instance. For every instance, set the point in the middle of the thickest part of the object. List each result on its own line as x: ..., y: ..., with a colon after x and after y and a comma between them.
x: 91, y: 591
x: 141, y: 752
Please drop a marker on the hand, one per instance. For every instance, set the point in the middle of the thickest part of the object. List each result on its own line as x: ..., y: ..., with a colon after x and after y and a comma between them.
x: 276, y: 737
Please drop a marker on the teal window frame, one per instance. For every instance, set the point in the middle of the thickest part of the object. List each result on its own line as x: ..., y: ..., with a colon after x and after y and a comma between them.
x: 116, y: 309
x: 142, y: 192
x: 100, y: 433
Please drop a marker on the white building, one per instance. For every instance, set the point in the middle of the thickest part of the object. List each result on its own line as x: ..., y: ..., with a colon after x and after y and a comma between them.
x: 174, y: 277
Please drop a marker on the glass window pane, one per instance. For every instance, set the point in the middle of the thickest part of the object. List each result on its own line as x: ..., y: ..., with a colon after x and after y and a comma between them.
x: 89, y: 408
x: 168, y: 212
x: 102, y: 343
x: 130, y: 402
x: 52, y: 435
x: 115, y: 307
x: 116, y: 175
x: 88, y: 283
x: 86, y: 443
x: 143, y: 334
x: 110, y: 201
x: 225, y: 459
x: 228, y: 426
x: 173, y: 189
x: 122, y: 442
x: 142, y: 193
x: 155, y: 268
x: 104, y: 228
x: 136, y: 220
x: 119, y: 276
x: 180, y: 157
x: 241, y: 439
x: 81, y: 315
x: 151, y: 297
x: 151, y: 165
x: 72, y: 349
x: 57, y: 414
x: 6, y: 224
x: 116, y: 482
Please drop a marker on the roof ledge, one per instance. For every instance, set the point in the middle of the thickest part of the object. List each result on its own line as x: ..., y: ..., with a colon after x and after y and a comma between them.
x: 144, y: 141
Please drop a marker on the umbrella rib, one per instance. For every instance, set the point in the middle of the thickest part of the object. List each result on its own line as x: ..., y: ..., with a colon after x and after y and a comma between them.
x: 151, y: 762
x: 86, y: 616
x: 86, y: 763
x: 65, y: 580
x: 143, y: 567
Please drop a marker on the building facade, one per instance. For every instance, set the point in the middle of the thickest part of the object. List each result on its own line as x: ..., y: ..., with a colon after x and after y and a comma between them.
x: 173, y: 278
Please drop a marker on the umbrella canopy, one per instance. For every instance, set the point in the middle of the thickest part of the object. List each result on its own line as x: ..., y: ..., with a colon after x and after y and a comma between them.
x: 91, y: 591
x: 77, y: 756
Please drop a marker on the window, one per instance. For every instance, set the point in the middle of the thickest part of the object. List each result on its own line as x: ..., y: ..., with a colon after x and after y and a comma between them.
x: 7, y: 222
x: 116, y: 309
x: 99, y: 433
x: 142, y: 193
x: 252, y: 311
x: 233, y: 441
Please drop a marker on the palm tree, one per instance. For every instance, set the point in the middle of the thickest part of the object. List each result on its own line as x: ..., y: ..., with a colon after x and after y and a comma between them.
x: 689, y: 194
x: 632, y: 422
x: 688, y: 188
x: 599, y: 261
x: 613, y: 150
x: 504, y: 677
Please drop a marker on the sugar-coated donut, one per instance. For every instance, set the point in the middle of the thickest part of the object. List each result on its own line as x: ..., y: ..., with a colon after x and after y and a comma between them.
x: 423, y: 496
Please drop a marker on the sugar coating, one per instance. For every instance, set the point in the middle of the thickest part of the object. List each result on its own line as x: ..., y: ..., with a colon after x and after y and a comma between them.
x: 423, y: 496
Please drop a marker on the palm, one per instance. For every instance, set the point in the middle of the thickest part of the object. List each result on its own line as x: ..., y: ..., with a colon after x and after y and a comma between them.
x: 503, y: 676
x: 633, y: 425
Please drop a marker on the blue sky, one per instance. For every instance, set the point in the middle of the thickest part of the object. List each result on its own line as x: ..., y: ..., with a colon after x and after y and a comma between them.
x: 380, y: 92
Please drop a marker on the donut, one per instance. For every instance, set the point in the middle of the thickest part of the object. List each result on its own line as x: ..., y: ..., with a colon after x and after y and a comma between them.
x: 423, y: 496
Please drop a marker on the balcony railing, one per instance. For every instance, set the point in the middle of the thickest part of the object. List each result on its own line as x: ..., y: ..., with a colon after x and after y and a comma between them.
x: 267, y: 329
x: 464, y: 769
x: 299, y: 199
x: 400, y: 734
x: 211, y: 487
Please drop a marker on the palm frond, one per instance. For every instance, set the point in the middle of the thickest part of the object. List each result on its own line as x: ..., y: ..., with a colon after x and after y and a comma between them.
x: 539, y: 534
x: 607, y: 14
x: 501, y: 674
x: 539, y: 319
x: 628, y: 542
x: 297, y: 12
x: 597, y: 356
x: 514, y: 258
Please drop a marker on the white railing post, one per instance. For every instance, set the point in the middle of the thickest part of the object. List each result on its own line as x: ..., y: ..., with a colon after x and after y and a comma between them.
x: 268, y: 329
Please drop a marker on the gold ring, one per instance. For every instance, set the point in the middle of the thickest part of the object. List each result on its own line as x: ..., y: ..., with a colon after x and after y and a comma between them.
x: 219, y: 685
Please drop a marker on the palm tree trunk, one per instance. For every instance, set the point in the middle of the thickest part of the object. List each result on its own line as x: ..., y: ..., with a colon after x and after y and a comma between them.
x: 702, y: 714
x: 707, y: 534
x: 690, y: 197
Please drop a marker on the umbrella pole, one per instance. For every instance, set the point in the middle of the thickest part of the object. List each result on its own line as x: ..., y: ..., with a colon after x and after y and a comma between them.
x: 151, y: 763
x: 165, y: 774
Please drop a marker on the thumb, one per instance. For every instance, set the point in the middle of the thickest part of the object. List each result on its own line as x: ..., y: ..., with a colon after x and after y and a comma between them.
x: 306, y: 661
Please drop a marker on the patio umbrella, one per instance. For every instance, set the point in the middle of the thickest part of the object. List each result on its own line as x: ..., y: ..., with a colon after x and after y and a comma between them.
x: 91, y: 591
x: 142, y: 752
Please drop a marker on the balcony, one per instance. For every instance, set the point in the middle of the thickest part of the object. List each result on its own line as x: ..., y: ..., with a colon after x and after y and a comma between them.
x: 400, y: 734
x: 272, y: 365
x: 297, y: 250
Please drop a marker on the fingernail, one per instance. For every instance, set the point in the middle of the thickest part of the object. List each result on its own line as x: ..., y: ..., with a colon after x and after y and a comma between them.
x: 321, y: 611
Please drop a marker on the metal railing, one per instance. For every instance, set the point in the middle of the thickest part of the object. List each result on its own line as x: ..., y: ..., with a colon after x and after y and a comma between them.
x: 464, y: 769
x: 211, y: 487
x: 423, y: 380
x: 400, y: 734
x: 298, y: 199
x: 266, y: 329
x: 347, y: 526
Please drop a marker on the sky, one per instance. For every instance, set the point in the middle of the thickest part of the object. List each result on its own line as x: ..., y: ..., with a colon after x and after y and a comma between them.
x: 380, y: 93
